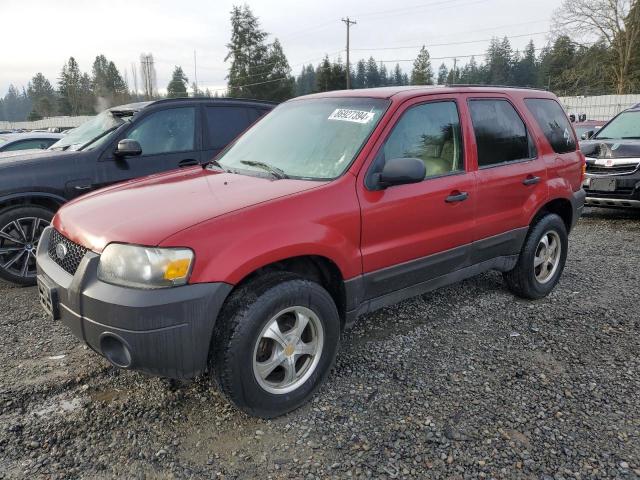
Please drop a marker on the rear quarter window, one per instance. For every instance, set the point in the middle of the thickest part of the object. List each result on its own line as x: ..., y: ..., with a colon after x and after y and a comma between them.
x: 224, y: 124
x: 553, y: 122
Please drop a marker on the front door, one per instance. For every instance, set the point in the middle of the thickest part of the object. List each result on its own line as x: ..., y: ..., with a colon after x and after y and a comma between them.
x: 168, y: 139
x: 417, y: 232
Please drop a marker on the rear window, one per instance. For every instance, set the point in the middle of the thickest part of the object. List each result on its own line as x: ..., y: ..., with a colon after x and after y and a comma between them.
x: 226, y: 123
x: 554, y: 123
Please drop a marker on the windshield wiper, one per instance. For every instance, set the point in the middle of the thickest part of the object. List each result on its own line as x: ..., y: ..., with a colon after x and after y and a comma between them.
x: 630, y: 138
x: 275, y: 171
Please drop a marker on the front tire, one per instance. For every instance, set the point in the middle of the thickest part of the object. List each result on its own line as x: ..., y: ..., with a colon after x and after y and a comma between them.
x: 274, y: 344
x: 541, y: 260
x: 20, y: 231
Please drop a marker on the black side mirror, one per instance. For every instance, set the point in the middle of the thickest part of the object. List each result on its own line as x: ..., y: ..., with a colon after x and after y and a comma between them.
x: 401, y: 171
x: 587, y: 135
x: 128, y: 148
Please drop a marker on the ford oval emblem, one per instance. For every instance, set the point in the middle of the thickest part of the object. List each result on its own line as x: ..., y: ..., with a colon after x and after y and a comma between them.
x: 61, y: 251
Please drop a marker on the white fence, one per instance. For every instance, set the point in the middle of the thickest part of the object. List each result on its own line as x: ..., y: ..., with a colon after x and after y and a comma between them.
x: 63, y: 122
x: 602, y: 107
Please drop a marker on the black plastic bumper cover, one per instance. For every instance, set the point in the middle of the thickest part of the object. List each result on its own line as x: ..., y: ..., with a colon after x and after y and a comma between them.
x: 577, y: 204
x: 167, y: 332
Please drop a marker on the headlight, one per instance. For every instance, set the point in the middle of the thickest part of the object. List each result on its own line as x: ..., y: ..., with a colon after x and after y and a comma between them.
x: 145, y: 267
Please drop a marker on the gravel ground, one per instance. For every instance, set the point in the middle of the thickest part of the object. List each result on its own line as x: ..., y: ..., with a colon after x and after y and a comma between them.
x: 464, y: 382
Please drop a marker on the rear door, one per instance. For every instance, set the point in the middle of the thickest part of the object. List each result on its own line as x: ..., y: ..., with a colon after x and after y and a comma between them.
x: 223, y: 123
x: 170, y: 138
x: 414, y: 233
x: 511, y: 176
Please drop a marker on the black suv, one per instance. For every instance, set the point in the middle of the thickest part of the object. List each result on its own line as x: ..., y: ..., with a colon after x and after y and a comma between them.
x: 119, y: 144
x: 613, y: 162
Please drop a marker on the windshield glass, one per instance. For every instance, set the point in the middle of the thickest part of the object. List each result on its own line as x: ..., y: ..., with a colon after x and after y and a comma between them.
x: 309, y: 139
x: 625, y: 125
x: 90, y: 131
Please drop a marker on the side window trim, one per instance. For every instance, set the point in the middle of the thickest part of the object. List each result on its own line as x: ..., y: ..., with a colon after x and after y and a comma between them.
x: 528, y: 130
x: 370, y: 170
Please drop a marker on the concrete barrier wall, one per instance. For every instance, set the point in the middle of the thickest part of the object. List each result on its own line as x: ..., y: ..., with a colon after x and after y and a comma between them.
x: 602, y: 107
x: 64, y: 122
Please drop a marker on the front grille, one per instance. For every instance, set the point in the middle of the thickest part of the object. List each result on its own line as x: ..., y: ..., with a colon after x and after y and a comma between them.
x: 616, y: 170
x: 72, y: 259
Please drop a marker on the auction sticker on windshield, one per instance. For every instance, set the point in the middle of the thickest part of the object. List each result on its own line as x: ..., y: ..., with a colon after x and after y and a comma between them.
x: 346, y: 115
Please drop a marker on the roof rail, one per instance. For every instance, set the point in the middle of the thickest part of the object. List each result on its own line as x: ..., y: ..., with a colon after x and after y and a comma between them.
x: 493, y: 86
x: 209, y: 99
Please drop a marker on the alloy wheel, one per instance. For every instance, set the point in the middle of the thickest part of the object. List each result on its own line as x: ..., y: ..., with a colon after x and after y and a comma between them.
x: 18, y: 243
x: 288, y: 350
x: 547, y: 257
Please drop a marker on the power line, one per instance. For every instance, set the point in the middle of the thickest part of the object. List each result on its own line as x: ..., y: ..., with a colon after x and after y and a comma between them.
x: 430, y: 45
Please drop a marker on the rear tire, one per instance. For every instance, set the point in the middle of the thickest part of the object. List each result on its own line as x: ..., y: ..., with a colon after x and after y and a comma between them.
x: 541, y: 260
x: 274, y: 343
x: 20, y: 230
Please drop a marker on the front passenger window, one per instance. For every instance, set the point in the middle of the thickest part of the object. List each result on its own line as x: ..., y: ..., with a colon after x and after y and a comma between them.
x: 429, y: 132
x: 166, y: 131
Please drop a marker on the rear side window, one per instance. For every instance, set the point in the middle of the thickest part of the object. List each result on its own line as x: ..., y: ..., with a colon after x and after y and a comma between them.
x: 501, y: 135
x: 32, y: 143
x: 226, y: 123
x: 553, y: 122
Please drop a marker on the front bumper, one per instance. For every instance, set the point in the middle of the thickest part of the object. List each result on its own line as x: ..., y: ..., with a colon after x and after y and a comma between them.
x: 613, y: 190
x: 165, y: 332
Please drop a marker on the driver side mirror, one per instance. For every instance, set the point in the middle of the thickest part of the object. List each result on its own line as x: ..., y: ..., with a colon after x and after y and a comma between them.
x: 128, y: 148
x: 587, y: 135
x: 401, y: 171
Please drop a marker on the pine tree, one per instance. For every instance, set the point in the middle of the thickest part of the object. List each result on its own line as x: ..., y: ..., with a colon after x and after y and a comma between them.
x: 248, y: 54
x: 69, y: 88
x: 372, y: 75
x: 382, y: 73
x: 422, y: 73
x: 178, y: 85
x: 443, y: 73
x: 361, y: 74
x: 42, y: 96
x: 323, y: 75
x: 281, y: 84
x: 397, y: 75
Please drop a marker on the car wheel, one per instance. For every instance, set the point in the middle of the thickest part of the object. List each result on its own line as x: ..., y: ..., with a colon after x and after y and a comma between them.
x: 274, y: 344
x: 20, y: 231
x: 541, y: 260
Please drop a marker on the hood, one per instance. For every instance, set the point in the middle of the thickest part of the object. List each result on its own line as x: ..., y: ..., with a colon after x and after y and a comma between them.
x: 148, y: 210
x: 22, y: 156
x: 601, y: 149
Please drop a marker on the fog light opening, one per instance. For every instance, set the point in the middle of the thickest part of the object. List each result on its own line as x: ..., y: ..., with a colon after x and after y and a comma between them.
x: 115, y: 350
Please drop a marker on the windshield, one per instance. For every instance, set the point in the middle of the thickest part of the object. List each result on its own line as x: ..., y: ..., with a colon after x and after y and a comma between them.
x: 87, y: 133
x: 625, y: 125
x: 309, y: 139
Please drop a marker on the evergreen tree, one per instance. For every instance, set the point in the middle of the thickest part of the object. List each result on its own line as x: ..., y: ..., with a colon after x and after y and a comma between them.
x: 69, y: 88
x: 306, y: 81
x: 42, y: 96
x: 281, y: 84
x: 15, y: 106
x: 248, y: 54
x: 372, y: 75
x: 443, y: 73
x: 361, y: 74
x: 397, y: 75
x: 499, y: 62
x: 422, y: 73
x: 323, y: 75
x: 178, y: 85
x: 382, y: 74
x: 526, y: 67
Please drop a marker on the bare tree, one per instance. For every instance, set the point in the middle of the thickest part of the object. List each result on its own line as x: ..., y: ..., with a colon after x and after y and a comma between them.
x: 617, y: 22
x: 148, y: 74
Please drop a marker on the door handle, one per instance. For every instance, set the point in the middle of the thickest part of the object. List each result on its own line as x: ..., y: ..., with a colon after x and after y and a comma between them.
x: 531, y: 180
x: 457, y: 197
x: 188, y: 162
x: 82, y: 188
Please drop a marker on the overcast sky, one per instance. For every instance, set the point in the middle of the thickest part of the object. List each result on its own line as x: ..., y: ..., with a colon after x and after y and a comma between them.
x: 39, y: 36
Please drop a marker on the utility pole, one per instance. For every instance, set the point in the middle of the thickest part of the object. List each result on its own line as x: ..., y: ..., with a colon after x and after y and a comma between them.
x: 195, y: 73
x: 348, y: 23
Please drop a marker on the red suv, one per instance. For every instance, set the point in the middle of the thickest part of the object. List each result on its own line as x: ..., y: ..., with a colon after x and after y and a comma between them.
x: 331, y: 206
